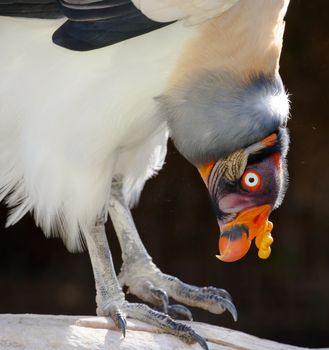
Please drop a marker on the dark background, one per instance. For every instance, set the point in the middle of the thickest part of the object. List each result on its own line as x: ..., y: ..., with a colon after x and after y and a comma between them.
x: 285, y: 298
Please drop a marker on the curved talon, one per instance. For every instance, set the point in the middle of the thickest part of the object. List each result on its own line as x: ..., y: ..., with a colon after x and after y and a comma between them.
x: 177, y: 310
x: 162, y: 296
x: 121, y: 323
x: 231, y: 308
x: 201, y: 341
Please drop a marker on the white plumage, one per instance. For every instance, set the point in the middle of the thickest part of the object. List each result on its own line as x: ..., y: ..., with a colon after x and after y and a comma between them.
x: 71, y: 120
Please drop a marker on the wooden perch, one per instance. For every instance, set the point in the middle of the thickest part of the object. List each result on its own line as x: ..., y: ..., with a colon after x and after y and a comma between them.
x: 47, y: 332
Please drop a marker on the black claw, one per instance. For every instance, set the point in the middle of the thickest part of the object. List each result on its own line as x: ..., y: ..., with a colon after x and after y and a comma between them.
x: 200, y: 341
x: 165, y: 301
x: 161, y: 295
x: 122, y: 324
x: 176, y: 311
x: 231, y: 308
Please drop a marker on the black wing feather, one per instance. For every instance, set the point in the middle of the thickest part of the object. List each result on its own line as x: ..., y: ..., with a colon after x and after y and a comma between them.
x: 91, y: 24
x: 85, y: 36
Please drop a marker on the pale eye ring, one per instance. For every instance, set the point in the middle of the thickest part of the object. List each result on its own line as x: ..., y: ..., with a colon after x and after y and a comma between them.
x: 251, y: 180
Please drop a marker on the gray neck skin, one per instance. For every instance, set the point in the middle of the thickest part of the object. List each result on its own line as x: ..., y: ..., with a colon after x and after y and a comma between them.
x: 217, y: 114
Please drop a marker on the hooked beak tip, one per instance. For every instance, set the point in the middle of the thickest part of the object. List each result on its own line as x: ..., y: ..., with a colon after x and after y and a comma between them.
x: 233, y: 245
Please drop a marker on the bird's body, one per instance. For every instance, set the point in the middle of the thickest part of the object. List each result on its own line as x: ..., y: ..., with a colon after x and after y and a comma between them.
x: 70, y: 109
x: 81, y: 132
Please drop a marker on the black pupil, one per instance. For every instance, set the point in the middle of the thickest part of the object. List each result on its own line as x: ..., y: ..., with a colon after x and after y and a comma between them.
x: 251, y: 180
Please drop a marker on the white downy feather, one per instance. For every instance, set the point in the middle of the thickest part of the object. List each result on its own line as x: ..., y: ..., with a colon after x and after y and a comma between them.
x: 69, y: 121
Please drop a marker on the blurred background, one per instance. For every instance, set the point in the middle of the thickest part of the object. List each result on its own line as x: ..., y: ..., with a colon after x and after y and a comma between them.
x: 285, y: 298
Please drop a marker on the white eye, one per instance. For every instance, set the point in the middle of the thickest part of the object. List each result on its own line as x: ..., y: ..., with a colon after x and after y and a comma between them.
x: 251, y: 180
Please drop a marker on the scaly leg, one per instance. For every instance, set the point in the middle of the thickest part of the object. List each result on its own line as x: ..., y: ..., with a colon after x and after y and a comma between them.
x: 144, y: 279
x: 111, y: 300
x: 109, y: 295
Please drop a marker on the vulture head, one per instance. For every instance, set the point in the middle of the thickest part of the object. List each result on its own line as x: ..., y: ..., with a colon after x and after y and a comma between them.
x: 244, y: 188
x: 239, y: 145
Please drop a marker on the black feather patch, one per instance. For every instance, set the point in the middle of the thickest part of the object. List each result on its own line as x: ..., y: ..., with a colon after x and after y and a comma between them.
x: 91, y: 24
x: 97, y: 24
x: 84, y: 36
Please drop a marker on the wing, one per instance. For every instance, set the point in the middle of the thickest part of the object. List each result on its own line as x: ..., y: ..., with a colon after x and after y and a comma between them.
x: 91, y: 24
x: 192, y: 12
x: 94, y: 24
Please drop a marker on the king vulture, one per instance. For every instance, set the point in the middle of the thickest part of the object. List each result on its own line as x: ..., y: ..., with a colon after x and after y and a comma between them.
x: 91, y: 90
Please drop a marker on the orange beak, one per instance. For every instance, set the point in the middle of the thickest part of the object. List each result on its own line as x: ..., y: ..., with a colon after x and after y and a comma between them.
x: 236, y: 236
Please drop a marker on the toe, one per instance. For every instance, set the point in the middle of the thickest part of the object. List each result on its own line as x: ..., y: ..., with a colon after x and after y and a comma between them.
x: 143, y: 313
x: 217, y: 305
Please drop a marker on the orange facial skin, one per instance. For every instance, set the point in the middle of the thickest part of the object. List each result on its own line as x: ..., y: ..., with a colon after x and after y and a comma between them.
x: 237, y: 235
x: 205, y: 170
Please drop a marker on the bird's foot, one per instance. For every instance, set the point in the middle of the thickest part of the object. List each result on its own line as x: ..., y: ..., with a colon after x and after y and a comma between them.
x: 119, y: 312
x: 148, y: 283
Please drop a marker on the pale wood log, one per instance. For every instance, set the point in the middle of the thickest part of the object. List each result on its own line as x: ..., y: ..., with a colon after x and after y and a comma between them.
x: 48, y: 332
